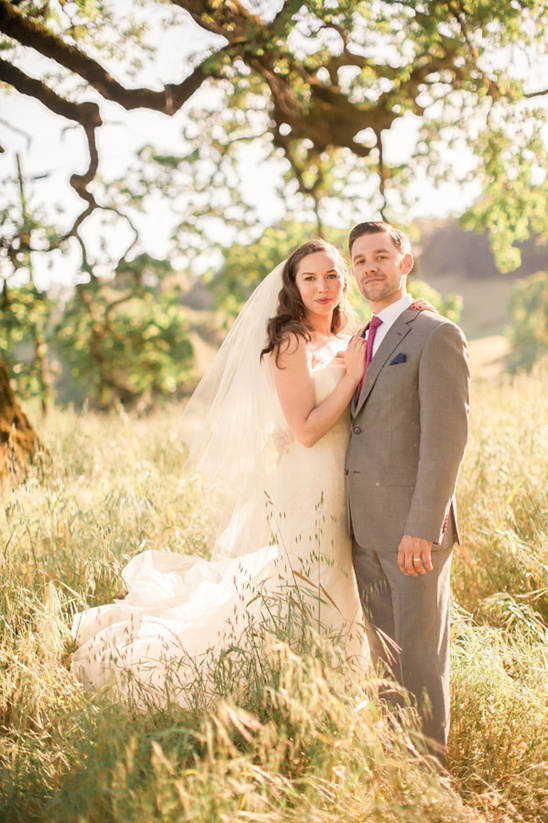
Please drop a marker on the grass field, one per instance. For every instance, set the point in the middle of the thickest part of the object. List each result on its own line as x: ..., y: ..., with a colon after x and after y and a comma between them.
x: 301, y: 741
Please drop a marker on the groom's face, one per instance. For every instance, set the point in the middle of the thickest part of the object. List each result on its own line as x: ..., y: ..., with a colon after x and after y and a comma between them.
x: 380, y: 269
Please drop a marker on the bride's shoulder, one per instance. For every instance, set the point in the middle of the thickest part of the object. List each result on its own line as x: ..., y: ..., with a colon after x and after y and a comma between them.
x: 292, y: 348
x: 292, y: 342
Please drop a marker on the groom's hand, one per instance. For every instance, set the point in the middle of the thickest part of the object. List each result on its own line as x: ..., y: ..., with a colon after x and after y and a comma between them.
x: 415, y: 555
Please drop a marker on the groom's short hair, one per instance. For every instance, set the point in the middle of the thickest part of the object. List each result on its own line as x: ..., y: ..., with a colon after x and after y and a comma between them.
x: 400, y: 240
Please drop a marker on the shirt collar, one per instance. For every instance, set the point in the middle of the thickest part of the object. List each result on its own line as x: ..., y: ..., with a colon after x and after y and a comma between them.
x: 393, y: 311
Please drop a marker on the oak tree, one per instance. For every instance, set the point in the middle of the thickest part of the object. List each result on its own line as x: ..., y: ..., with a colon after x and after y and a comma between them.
x: 318, y: 85
x: 325, y: 80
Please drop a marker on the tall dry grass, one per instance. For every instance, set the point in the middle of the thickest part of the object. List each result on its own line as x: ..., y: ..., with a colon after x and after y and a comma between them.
x: 499, y: 739
x: 302, y: 740
x: 503, y: 493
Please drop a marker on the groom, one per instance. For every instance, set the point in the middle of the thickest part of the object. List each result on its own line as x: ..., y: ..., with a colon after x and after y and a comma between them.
x: 409, y: 432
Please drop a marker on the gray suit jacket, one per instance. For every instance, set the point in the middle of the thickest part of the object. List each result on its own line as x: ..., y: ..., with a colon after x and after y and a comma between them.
x: 409, y: 432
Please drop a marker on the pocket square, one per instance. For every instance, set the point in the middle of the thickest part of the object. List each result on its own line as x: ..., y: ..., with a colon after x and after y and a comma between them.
x: 399, y: 358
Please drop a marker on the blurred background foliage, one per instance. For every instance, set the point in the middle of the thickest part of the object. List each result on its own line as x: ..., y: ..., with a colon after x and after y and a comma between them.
x: 126, y: 339
x: 24, y: 338
x: 528, y: 331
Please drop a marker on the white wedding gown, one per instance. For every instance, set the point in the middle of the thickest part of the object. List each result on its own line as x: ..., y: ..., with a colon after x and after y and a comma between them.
x: 182, y: 609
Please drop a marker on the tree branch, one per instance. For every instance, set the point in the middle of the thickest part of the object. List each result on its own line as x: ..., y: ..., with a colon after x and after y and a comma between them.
x: 228, y: 19
x: 382, y: 175
x: 79, y: 112
x: 530, y: 94
x: 37, y: 36
x: 86, y: 114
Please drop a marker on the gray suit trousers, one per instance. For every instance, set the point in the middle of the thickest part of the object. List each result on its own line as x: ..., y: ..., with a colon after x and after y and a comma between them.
x: 407, y: 621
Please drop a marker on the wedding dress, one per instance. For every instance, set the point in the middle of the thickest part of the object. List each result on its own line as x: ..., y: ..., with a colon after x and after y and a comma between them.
x: 283, y: 555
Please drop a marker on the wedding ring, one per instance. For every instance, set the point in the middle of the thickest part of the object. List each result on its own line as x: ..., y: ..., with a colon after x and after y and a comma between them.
x: 416, y: 558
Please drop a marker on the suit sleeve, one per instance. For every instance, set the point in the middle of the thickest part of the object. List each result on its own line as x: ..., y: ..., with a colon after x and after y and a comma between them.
x: 444, y: 386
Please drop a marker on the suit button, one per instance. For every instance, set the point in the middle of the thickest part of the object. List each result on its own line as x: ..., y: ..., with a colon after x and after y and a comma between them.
x: 357, y: 430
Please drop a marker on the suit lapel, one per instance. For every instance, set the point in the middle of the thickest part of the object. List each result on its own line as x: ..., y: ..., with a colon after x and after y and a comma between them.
x: 396, y: 333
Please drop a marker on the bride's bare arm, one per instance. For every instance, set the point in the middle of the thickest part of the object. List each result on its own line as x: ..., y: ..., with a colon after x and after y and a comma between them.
x: 295, y: 388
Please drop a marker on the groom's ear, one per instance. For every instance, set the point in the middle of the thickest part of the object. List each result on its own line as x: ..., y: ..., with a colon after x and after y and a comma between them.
x: 407, y: 263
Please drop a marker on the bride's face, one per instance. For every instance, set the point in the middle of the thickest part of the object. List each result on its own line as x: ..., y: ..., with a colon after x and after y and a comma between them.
x: 319, y: 282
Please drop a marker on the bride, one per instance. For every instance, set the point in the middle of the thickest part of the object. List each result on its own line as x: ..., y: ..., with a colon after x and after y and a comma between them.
x: 273, y: 426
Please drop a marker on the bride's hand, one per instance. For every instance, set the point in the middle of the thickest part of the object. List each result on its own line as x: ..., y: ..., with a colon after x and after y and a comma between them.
x: 354, y: 358
x: 421, y: 303
x: 282, y: 439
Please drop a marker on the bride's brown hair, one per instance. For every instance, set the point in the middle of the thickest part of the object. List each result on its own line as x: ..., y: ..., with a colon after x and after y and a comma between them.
x: 290, y: 312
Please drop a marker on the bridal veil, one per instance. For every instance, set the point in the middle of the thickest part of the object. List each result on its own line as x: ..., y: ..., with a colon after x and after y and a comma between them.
x: 231, y: 421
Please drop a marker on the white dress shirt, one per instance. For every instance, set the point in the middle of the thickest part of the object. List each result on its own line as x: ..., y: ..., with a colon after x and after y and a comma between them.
x: 389, y: 315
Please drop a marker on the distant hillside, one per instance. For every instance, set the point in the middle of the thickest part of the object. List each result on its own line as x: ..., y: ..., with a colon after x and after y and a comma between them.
x: 445, y: 246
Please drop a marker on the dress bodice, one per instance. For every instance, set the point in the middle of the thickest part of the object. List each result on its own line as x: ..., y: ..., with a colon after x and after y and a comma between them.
x: 326, y: 376
x: 307, y: 485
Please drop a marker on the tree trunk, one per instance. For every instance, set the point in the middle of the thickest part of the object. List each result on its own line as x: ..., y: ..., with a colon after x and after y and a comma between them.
x: 19, y: 442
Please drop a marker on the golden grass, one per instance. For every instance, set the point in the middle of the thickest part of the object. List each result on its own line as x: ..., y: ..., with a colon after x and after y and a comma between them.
x: 302, y: 741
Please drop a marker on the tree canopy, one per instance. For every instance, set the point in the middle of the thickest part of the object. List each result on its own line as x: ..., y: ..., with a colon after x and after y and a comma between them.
x: 318, y: 85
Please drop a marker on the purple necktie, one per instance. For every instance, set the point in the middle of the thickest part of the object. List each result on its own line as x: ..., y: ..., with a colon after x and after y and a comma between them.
x: 373, y: 326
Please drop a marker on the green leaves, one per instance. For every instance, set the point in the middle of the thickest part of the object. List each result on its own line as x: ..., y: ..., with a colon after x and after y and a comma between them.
x: 528, y: 333
x: 127, y: 339
x: 25, y: 319
x: 245, y: 265
x: 514, y: 182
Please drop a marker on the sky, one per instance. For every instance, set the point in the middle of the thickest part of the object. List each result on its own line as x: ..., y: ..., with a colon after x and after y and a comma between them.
x: 52, y: 148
